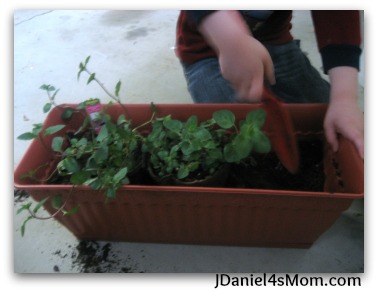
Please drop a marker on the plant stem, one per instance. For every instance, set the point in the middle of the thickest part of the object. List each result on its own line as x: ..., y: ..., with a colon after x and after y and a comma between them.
x: 55, y: 213
x: 236, y: 129
x: 105, y: 90
x: 49, y: 177
x: 50, y: 98
x: 145, y: 123
x: 43, y: 143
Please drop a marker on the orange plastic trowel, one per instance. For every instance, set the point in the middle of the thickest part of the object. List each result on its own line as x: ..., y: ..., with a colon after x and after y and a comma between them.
x: 282, y: 135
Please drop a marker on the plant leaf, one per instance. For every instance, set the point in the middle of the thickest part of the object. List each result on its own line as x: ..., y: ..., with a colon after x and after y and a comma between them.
x: 243, y: 146
x: 82, y: 66
x: 125, y: 181
x: 87, y: 60
x: 120, y: 175
x: 57, y: 144
x: 101, y: 154
x: 57, y: 201
x: 187, y: 148
x: 262, y: 143
x: 78, y: 74
x: 30, y: 174
x: 71, y: 165
x: 91, y: 78
x: 95, y: 184
x: 230, y: 154
x: 24, y: 225
x: 67, y: 113
x: 121, y: 119
x: 47, y: 87
x: 80, y: 177
x: 37, y: 128
x: 47, y: 107
x: 84, y: 125
x: 72, y: 211
x: 44, y: 87
x: 53, y: 129
x: 110, y: 193
x: 192, y: 123
x: 27, y: 136
x: 24, y: 207
x: 257, y: 117
x: 224, y: 118
x: 202, y: 134
x: 183, y: 172
x: 40, y: 204
x: 172, y: 124
x: 117, y: 88
x: 102, y: 134
x: 80, y: 106
x: 53, y: 96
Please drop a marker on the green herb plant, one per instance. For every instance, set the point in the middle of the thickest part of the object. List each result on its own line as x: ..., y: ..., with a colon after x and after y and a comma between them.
x: 102, y: 161
x: 183, y: 149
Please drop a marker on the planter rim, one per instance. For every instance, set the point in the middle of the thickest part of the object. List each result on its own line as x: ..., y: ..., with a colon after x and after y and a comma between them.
x: 205, y: 105
x: 218, y: 190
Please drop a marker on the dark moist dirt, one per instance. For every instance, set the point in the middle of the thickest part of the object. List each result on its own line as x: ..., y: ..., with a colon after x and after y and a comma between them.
x: 90, y: 256
x: 20, y: 196
x: 97, y: 257
x: 266, y: 171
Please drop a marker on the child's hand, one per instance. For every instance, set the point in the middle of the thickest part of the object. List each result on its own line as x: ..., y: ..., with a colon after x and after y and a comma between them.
x: 347, y: 119
x: 343, y: 114
x: 247, y: 65
x: 244, y: 61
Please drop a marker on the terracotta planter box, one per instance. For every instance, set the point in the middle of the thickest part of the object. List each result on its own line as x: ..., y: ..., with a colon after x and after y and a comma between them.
x: 200, y: 215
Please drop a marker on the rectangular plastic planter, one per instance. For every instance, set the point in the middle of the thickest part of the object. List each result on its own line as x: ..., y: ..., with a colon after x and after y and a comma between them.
x: 200, y: 215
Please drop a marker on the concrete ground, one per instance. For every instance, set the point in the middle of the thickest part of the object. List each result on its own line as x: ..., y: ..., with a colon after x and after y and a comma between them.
x: 136, y: 47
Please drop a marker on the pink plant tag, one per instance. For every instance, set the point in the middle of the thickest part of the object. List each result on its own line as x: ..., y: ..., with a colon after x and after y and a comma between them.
x: 93, y: 108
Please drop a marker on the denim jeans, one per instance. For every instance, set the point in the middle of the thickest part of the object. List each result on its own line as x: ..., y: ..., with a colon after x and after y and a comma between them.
x: 297, y: 81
